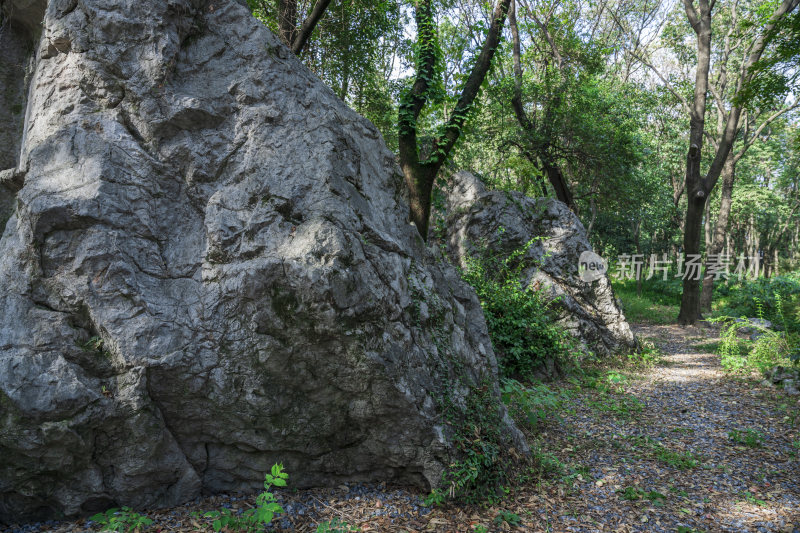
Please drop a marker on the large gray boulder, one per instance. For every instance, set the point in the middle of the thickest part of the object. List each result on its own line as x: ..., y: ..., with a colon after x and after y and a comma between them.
x: 208, y: 269
x: 477, y: 219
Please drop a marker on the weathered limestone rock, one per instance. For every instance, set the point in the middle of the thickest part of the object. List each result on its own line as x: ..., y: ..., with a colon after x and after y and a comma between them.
x: 208, y: 270
x: 15, y: 50
x: 506, y: 221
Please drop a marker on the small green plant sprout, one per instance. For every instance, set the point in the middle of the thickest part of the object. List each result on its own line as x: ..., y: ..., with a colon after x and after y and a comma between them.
x: 436, y: 498
x: 336, y: 526
x: 122, y: 520
x: 747, y: 437
x: 255, y: 519
x: 631, y: 493
x: 647, y: 356
x: 656, y: 497
x: 750, y: 498
x: 680, y: 460
x: 512, y: 519
x: 94, y: 344
x: 796, y: 448
x: 479, y: 528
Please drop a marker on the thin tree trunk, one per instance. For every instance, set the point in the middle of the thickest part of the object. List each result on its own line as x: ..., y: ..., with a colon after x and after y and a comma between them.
x: 593, y: 208
x: 776, y: 264
x: 301, y: 36
x: 637, y: 226
x: 720, y: 232
x: 287, y: 20
x: 537, y: 150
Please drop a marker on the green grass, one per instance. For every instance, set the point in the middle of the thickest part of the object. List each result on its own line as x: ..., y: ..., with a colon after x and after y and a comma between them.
x: 679, y: 460
x: 642, y: 309
x: 635, y: 493
x: 649, y: 307
x: 747, y: 437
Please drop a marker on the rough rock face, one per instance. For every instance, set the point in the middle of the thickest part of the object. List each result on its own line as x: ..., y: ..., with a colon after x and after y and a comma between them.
x: 208, y: 270
x: 475, y: 217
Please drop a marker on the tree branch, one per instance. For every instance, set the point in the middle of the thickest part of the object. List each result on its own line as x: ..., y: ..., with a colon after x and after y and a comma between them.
x: 691, y: 14
x: 676, y: 94
x: 301, y: 37
x: 766, y: 123
x: 471, y: 88
x: 726, y: 142
x: 413, y: 102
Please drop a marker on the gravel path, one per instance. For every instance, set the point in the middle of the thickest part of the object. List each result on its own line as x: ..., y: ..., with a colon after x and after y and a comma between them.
x: 677, y: 446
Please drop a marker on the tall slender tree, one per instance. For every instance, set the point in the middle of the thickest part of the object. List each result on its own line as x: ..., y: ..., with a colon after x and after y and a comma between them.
x: 699, y: 186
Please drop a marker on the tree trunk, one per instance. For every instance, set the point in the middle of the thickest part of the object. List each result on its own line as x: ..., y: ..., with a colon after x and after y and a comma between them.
x: 698, y: 188
x: 294, y: 37
x: 537, y: 150
x: 300, y: 37
x: 720, y: 229
x: 637, y: 227
x: 419, y: 180
x: 556, y: 178
x: 696, y: 195
x: 690, y: 299
x: 421, y: 175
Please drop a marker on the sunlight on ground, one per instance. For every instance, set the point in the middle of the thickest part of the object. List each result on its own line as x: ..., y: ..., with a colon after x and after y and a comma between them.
x: 744, y: 514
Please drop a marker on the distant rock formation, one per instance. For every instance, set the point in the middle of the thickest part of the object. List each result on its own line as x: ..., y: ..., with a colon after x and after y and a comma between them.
x: 208, y: 269
x: 506, y: 221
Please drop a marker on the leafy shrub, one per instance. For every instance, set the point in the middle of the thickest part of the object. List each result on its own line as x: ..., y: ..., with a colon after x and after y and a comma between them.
x: 776, y: 299
x: 123, y: 520
x: 770, y: 349
x: 482, y: 464
x: 521, y: 323
x: 532, y: 403
x: 257, y: 518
